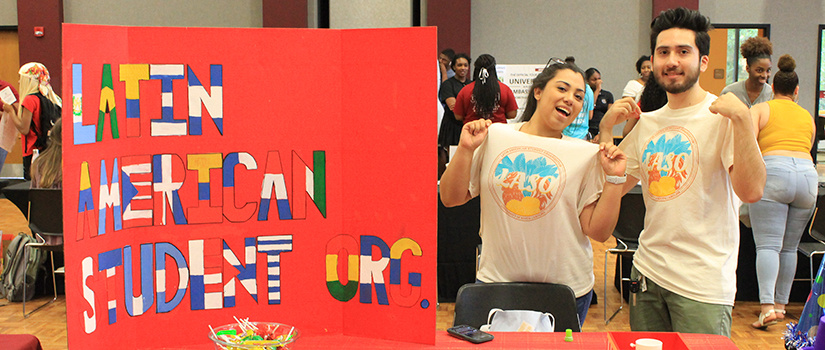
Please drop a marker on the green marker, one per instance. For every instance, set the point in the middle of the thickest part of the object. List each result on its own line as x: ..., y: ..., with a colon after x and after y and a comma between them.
x: 568, y: 335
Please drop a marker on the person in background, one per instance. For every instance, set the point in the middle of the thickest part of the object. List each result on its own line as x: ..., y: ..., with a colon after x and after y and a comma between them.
x: 604, y: 99
x: 8, y: 132
x: 757, y: 52
x: 485, y: 97
x: 450, y: 129
x: 634, y: 87
x: 445, y: 59
x: 580, y: 125
x: 543, y: 194
x: 694, y: 157
x: 34, y: 80
x: 653, y: 97
x: 785, y: 133
x: 47, y: 169
x: 439, y: 106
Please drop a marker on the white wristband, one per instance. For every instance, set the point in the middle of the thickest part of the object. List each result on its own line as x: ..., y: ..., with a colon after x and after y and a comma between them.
x: 616, y: 180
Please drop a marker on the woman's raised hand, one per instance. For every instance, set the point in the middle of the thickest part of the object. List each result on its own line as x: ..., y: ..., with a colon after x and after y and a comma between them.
x: 473, y: 133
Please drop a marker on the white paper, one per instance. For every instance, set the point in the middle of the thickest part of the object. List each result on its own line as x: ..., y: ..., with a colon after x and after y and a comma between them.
x: 453, y: 149
x: 7, y: 96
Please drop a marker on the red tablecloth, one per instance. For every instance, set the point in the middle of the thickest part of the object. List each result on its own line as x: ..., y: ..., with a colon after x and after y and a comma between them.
x: 19, y: 342
x: 504, y: 341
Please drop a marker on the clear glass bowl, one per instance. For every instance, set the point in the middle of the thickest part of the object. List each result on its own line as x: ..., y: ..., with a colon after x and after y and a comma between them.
x: 273, y: 336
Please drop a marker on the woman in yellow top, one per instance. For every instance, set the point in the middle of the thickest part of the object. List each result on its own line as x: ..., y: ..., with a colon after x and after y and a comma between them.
x: 786, y: 134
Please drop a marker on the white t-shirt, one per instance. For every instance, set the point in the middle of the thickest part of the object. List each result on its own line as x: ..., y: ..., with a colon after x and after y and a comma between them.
x: 633, y: 89
x: 690, y: 242
x: 532, y: 191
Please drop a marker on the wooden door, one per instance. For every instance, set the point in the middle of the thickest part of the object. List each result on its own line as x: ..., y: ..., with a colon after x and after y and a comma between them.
x: 9, y: 64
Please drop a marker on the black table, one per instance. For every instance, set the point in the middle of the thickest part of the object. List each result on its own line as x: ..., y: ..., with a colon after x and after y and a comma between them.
x: 457, y: 241
x: 18, y: 194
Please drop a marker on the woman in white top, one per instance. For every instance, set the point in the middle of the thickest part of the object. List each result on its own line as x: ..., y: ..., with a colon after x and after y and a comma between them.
x: 543, y: 195
x: 634, y: 87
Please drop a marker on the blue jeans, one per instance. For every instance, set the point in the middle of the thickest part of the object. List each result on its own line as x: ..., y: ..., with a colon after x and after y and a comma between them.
x: 3, y: 154
x: 778, y: 221
x: 582, y: 304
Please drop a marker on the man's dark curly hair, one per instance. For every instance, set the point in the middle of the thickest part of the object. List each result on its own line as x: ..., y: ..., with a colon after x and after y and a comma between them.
x: 685, y: 19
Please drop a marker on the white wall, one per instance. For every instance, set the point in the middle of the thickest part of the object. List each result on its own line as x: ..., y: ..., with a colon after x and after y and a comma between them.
x: 172, y: 13
x: 8, y: 12
x: 346, y: 14
x: 608, y: 35
x: 794, y: 30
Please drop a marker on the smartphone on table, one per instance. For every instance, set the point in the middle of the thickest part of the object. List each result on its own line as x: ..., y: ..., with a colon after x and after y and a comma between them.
x: 470, y: 334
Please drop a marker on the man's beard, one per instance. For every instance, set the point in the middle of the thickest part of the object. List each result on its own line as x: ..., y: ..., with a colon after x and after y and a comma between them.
x: 677, y: 88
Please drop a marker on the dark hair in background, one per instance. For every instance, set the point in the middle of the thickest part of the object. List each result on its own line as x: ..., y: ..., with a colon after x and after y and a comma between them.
x: 685, y: 19
x: 456, y: 57
x: 49, y: 165
x: 589, y: 72
x: 756, y: 48
x: 486, y: 92
x: 653, y: 96
x: 570, y: 59
x: 541, y: 82
x: 450, y: 53
x: 785, y: 81
x: 639, y: 63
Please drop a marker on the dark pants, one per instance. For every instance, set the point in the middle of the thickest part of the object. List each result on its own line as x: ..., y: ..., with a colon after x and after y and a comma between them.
x: 27, y: 165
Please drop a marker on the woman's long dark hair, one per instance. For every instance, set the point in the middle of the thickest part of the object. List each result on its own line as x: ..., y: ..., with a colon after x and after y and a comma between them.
x: 540, y: 82
x: 486, y: 92
x: 653, y: 96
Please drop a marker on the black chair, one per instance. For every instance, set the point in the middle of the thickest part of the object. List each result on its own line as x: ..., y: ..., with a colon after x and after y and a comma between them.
x: 46, y: 223
x: 630, y: 225
x: 475, y: 300
x: 810, y: 249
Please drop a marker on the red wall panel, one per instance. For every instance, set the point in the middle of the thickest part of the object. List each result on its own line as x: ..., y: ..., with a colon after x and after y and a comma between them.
x: 452, y: 17
x: 47, y: 49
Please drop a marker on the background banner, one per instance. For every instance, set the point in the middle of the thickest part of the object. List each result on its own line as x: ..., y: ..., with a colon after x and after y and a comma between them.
x: 282, y: 175
x: 519, y: 77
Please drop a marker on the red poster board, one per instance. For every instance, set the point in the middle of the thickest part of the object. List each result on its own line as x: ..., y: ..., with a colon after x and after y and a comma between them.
x: 283, y: 175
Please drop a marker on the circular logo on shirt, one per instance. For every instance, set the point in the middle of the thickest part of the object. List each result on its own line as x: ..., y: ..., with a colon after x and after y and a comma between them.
x: 670, y: 160
x: 526, y: 182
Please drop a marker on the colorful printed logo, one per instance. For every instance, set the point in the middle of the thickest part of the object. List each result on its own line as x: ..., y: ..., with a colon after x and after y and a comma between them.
x: 526, y: 182
x: 670, y: 161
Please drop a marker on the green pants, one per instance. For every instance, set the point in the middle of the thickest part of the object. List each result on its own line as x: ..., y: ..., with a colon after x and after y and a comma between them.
x: 660, y: 310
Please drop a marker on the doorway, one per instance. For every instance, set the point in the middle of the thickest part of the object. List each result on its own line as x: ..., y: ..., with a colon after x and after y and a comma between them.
x: 726, y: 65
x: 9, y: 64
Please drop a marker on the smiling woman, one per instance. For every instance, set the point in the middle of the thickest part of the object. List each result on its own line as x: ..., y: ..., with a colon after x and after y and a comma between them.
x: 755, y: 89
x: 544, y: 194
x: 450, y: 128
